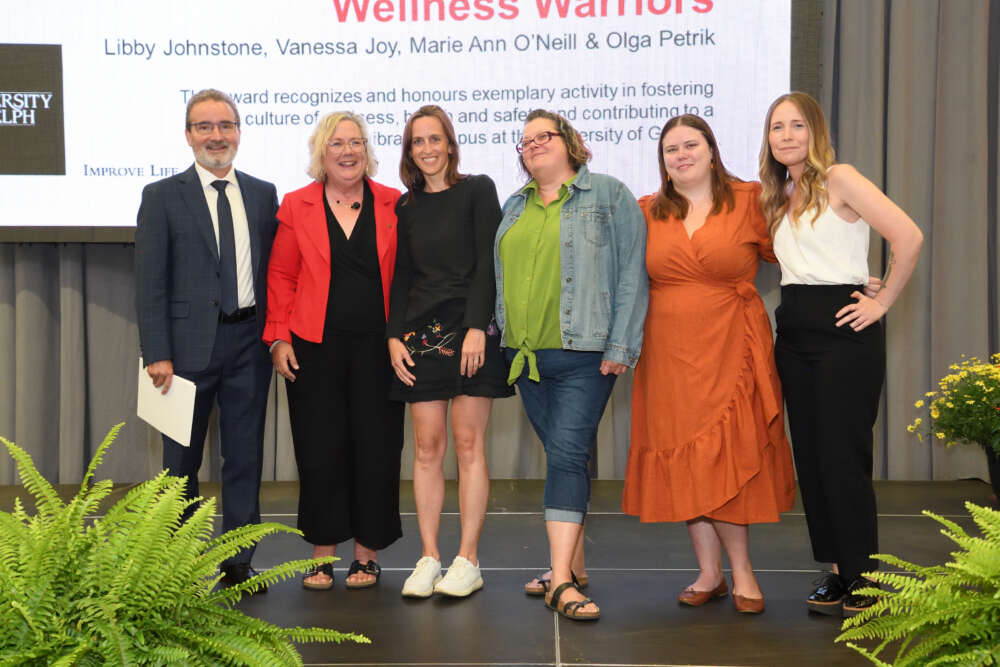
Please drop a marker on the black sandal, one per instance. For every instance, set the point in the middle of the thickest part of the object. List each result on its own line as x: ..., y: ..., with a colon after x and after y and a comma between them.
x: 571, y: 610
x: 325, y: 568
x: 543, y: 584
x: 371, y: 567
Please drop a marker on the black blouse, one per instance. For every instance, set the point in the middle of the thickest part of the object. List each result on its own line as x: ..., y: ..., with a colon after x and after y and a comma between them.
x: 355, y: 303
x: 445, y: 252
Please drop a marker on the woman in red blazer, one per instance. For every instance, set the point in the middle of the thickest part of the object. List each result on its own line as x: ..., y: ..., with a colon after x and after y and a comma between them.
x: 328, y: 299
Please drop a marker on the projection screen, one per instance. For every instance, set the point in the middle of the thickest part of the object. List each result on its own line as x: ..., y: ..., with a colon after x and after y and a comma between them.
x: 92, y: 93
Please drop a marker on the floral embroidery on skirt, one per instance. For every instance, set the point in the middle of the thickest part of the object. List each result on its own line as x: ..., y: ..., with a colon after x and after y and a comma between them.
x: 431, y: 339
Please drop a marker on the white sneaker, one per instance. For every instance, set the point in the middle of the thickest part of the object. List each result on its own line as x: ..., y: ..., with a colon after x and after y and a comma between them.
x: 463, y: 579
x: 426, y: 575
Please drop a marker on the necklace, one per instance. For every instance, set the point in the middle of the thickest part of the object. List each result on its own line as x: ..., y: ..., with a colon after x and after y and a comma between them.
x: 354, y: 205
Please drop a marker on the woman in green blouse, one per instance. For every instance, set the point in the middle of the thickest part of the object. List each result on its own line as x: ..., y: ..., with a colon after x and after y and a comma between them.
x: 571, y: 299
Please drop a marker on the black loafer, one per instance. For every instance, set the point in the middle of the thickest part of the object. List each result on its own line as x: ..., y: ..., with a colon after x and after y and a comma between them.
x: 854, y: 604
x: 828, y: 598
x: 237, y: 573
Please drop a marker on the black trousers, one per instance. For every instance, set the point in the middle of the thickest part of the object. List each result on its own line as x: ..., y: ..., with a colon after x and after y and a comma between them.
x: 348, y: 439
x: 832, y: 379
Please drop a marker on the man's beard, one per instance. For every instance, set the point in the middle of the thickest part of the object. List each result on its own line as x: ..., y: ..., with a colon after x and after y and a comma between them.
x: 215, y: 160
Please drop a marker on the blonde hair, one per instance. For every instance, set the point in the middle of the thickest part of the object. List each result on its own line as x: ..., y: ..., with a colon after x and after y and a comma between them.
x: 325, y: 128
x: 774, y: 176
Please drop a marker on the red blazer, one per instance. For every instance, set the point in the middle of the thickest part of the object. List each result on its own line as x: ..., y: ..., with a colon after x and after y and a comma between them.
x: 298, y: 277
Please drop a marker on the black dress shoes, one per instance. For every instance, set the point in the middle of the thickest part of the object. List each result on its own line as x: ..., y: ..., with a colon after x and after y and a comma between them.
x: 854, y: 604
x: 237, y: 573
x: 828, y: 598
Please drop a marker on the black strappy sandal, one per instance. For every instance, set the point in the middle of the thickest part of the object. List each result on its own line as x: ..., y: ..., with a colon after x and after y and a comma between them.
x: 571, y: 610
x: 325, y: 568
x: 371, y: 567
x: 542, y: 586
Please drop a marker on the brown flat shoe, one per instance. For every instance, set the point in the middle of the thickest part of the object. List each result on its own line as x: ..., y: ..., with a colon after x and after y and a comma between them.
x: 748, y: 605
x: 539, y: 586
x: 694, y: 598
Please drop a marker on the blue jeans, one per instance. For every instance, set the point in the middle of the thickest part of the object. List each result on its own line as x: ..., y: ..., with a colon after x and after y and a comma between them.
x: 565, y: 408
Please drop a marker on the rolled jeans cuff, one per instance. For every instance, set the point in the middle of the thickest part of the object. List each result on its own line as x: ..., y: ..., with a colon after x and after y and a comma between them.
x: 566, y: 516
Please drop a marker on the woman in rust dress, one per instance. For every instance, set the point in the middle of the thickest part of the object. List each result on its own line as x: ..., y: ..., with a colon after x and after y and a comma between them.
x: 708, y: 445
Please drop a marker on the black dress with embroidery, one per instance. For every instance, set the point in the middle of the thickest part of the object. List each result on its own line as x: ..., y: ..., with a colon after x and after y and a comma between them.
x: 443, y: 285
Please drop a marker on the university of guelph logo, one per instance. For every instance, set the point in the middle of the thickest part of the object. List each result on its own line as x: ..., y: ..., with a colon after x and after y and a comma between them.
x: 31, y: 109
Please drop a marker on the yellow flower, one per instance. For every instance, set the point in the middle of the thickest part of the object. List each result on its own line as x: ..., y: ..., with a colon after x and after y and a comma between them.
x: 950, y: 404
x: 930, y: 394
x: 940, y: 436
x: 918, y: 404
x: 935, y: 414
x: 970, y: 402
x: 911, y: 428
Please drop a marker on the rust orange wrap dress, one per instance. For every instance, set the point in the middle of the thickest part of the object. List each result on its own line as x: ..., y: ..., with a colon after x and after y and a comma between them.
x: 708, y: 430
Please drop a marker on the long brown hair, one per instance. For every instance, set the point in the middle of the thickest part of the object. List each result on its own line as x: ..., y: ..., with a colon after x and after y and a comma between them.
x: 409, y: 172
x: 579, y: 154
x: 668, y: 202
x: 774, y: 176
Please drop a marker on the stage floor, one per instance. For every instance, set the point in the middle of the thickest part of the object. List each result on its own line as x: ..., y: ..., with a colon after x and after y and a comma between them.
x: 635, y: 569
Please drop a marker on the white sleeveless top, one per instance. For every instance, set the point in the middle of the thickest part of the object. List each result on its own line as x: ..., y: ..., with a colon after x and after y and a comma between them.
x: 829, y: 251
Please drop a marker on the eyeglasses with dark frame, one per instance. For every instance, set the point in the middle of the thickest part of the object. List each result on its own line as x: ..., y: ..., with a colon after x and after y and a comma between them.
x: 539, y: 139
x: 205, y: 127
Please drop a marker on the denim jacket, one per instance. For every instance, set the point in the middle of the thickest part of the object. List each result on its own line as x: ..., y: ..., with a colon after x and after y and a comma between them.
x: 602, y: 261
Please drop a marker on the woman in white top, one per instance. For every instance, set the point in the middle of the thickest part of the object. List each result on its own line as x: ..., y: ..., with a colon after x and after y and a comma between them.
x: 830, y: 348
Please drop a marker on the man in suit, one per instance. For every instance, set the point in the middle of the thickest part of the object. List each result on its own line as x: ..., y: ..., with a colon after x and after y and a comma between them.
x: 202, y: 243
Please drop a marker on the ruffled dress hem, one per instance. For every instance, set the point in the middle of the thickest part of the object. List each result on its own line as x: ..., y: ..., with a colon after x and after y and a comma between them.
x: 716, y: 474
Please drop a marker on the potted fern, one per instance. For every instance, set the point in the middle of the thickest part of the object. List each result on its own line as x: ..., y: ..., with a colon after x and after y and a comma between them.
x: 965, y: 408
x: 937, y: 615
x: 134, y: 587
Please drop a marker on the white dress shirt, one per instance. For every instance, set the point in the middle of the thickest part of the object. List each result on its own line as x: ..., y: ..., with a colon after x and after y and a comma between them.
x: 241, y: 229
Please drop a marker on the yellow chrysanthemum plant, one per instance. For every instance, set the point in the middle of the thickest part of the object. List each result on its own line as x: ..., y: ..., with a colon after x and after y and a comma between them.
x: 966, y: 406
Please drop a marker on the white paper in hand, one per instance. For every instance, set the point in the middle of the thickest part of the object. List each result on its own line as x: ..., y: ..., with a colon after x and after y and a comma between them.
x: 172, y: 413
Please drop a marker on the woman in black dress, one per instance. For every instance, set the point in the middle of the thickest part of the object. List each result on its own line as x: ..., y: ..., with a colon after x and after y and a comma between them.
x: 443, y: 343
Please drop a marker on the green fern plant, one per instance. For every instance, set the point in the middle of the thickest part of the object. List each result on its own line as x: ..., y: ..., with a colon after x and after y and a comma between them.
x: 134, y: 587
x: 939, y: 615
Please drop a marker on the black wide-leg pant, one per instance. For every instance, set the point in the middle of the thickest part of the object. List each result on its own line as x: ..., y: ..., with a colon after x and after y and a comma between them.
x: 348, y: 439
x: 831, y: 378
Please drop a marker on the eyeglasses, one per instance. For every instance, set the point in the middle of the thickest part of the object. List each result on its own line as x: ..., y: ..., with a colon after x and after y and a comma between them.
x: 338, y: 146
x: 539, y: 139
x: 205, y: 127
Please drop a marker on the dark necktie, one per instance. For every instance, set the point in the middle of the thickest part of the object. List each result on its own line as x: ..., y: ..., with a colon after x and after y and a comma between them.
x: 227, y: 250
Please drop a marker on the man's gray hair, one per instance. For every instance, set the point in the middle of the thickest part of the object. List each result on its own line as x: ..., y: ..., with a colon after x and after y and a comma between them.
x: 209, y: 94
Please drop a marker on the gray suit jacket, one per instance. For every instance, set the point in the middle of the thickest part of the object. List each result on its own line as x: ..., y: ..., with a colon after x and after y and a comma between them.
x: 177, y: 266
